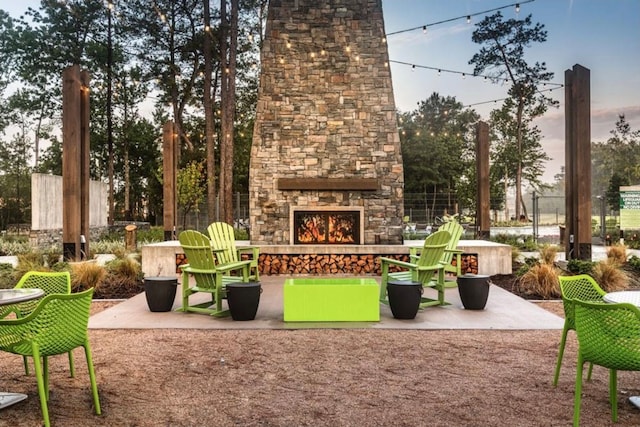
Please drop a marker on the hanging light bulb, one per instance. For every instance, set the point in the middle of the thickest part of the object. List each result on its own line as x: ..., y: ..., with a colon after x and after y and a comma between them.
x: 288, y: 44
x: 413, y: 67
x: 464, y: 76
x: 517, y: 7
x: 424, y: 29
x: 468, y: 19
x: 439, y: 72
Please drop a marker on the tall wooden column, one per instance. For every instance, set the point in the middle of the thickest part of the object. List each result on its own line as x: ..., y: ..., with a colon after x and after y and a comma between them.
x: 75, y: 163
x: 483, y: 207
x: 578, y: 163
x: 169, y: 171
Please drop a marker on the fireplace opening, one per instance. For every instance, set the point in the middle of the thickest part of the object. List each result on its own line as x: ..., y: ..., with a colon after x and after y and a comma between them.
x: 326, y: 227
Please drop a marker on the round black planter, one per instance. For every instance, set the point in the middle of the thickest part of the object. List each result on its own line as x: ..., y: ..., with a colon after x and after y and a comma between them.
x: 160, y: 292
x: 243, y: 299
x: 404, y: 298
x: 474, y: 291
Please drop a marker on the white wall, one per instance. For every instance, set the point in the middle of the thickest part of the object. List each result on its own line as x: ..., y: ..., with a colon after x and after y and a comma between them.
x: 46, y: 202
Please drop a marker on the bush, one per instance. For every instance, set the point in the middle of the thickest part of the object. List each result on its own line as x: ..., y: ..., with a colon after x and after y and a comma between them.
x: 617, y: 254
x: 609, y: 275
x: 85, y: 275
x: 634, y: 263
x: 578, y: 266
x: 541, y: 280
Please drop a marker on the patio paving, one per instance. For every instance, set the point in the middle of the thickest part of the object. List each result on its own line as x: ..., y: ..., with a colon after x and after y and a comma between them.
x: 504, y: 311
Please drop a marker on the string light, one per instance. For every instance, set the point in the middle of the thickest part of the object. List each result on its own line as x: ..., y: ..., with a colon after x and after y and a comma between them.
x: 467, y: 17
x: 424, y: 29
x: 462, y: 73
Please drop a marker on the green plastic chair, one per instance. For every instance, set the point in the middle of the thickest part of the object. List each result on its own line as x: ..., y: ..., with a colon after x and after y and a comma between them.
x: 608, y: 336
x: 50, y: 283
x: 450, y: 251
x: 209, y: 276
x: 56, y: 326
x: 427, y: 268
x: 581, y: 287
x: 223, y: 241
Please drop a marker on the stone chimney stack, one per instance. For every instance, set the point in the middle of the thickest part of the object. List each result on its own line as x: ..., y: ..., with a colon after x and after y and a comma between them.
x: 326, y: 135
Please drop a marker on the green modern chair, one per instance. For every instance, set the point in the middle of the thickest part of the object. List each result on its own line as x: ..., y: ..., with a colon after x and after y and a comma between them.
x: 609, y: 336
x: 223, y: 241
x: 426, y: 268
x: 56, y: 326
x: 579, y: 287
x: 209, y: 276
x: 50, y: 283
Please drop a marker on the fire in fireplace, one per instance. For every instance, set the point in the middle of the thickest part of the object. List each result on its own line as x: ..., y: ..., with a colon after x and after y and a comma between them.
x: 326, y: 227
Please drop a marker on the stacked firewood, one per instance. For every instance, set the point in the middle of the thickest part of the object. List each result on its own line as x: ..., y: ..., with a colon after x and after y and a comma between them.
x: 270, y: 264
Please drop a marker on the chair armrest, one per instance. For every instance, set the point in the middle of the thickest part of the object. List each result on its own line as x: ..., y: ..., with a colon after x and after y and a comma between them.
x: 231, y: 266
x: 254, y: 250
x: 405, y: 264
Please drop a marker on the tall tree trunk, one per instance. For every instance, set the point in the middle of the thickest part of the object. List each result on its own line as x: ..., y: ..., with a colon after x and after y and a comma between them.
x: 228, y: 48
x: 519, y: 160
x: 209, y: 116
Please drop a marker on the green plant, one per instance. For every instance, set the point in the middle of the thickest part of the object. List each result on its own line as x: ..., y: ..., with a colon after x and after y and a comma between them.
x: 85, y: 275
x: 7, y: 277
x: 609, y: 275
x: 617, y: 254
x: 541, y: 280
x: 578, y: 266
x: 634, y: 263
x: 127, y: 268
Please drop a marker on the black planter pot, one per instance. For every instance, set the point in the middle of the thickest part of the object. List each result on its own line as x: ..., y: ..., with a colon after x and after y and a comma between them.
x: 474, y: 291
x: 404, y: 298
x: 160, y: 292
x: 243, y: 299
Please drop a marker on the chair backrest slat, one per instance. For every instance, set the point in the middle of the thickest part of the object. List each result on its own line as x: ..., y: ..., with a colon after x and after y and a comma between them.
x: 222, y: 237
x: 455, y: 230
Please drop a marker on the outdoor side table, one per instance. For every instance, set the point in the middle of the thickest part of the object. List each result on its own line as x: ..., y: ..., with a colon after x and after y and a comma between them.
x: 7, y: 297
x: 631, y: 297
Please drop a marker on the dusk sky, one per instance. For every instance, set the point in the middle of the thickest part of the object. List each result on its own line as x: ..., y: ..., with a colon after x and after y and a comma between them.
x: 601, y: 35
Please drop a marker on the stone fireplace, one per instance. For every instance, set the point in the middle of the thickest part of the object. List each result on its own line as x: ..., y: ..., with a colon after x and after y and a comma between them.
x: 326, y: 165
x: 327, y: 226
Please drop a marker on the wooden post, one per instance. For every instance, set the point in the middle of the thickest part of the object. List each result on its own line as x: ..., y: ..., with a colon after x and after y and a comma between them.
x: 578, y: 163
x: 130, y: 239
x: 169, y: 170
x: 75, y: 163
x: 483, y: 207
x: 85, y: 161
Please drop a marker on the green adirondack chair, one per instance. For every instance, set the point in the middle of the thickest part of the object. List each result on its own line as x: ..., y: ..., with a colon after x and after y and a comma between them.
x: 224, y: 246
x: 50, y: 283
x: 209, y: 276
x: 427, y: 268
x: 455, y: 229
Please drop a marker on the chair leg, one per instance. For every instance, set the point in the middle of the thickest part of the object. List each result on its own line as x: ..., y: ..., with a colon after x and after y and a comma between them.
x: 25, y: 362
x: 42, y: 384
x: 92, y: 378
x: 563, y: 341
x: 383, y: 282
x: 613, y: 394
x: 578, y: 392
x: 72, y: 369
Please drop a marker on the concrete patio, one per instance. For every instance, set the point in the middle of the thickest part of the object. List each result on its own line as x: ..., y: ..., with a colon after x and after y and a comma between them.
x: 504, y: 311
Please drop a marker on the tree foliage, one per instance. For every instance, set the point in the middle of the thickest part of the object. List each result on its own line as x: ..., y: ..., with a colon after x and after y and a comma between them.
x: 502, y: 55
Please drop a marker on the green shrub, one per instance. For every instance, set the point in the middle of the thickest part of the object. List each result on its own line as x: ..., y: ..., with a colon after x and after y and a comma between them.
x: 7, y: 278
x: 634, y: 263
x: 578, y: 266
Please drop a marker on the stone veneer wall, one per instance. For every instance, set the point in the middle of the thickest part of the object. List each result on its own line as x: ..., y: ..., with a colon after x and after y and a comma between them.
x: 325, y: 111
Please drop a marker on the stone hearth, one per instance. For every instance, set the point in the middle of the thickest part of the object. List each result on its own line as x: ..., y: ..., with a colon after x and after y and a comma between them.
x: 325, y: 135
